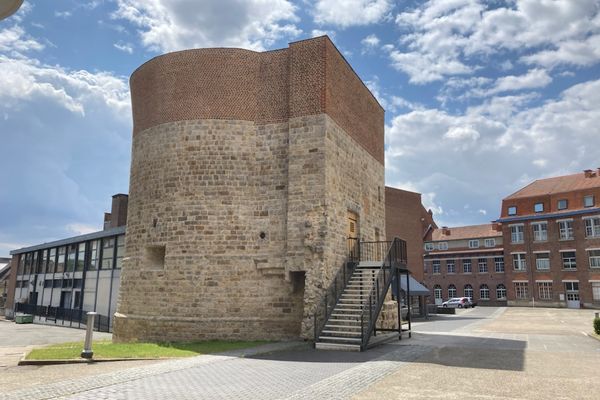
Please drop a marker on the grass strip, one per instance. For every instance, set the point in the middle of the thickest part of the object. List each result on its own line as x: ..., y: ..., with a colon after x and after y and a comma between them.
x: 108, y: 349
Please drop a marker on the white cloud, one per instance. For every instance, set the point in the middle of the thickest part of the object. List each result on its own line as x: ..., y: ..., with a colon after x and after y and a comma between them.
x: 168, y: 25
x: 76, y: 228
x: 482, y: 211
x: 124, y: 47
x: 321, y: 32
x: 14, y: 39
x: 502, y: 137
x: 536, y: 78
x: 448, y: 37
x: 345, y: 13
x: 370, y: 42
x: 62, y: 14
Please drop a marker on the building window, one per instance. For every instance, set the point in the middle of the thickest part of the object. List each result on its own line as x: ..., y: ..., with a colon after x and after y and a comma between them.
x: 484, y: 292
x: 596, y: 291
x: 521, y: 291
x: 572, y: 286
x: 490, y: 242
x: 28, y: 263
x: 437, y: 291
x: 467, y: 266
x: 443, y: 246
x: 120, y: 251
x: 108, y: 251
x: 542, y: 261
x: 519, y: 262
x: 588, y: 201
x: 71, y: 258
x: 451, y: 266
x: 499, y: 262
x: 468, y: 292
x: 516, y: 233
x: 538, y: 207
x: 562, y: 204
x: 501, y: 292
x: 594, y: 258
x: 569, y: 260
x: 436, y: 267
x: 512, y: 210
x: 429, y: 247
x: 451, y: 291
x: 44, y: 264
x: 540, y: 231
x: 482, y: 264
x: 60, y: 264
x: 474, y: 244
x: 545, y: 290
x: 592, y: 227
x: 565, y: 229
x: 52, y: 261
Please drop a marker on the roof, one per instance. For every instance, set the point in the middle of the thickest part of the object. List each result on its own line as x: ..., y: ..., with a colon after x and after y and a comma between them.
x: 416, y: 289
x: 558, y: 184
x: 466, y: 232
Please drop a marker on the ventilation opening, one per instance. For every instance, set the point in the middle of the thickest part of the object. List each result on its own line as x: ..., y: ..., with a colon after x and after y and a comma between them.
x: 297, y: 278
x: 155, y: 257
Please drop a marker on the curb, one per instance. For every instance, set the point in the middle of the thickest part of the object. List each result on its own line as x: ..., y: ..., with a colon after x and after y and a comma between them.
x: 84, y: 361
x: 595, y: 337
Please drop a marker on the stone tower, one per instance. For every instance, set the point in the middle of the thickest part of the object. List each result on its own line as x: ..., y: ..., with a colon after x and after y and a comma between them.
x: 245, y: 167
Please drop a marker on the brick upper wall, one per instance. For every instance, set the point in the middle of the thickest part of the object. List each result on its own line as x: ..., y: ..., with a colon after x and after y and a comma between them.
x: 308, y: 78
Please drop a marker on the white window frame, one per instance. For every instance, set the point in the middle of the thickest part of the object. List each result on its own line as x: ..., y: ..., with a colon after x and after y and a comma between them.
x: 592, y: 226
x: 468, y: 291
x: 566, y: 202
x: 535, y: 207
x: 429, y: 246
x: 451, y: 263
x: 511, y: 207
x: 544, y: 290
x: 540, y: 231
x: 517, y: 233
x: 443, y: 246
x: 437, y: 292
x: 501, y: 292
x: 470, y: 263
x: 595, y: 291
x: 565, y: 229
x: 499, y: 264
x: 585, y: 201
x: 594, y: 257
x: 542, y: 261
x: 490, y: 242
x: 484, y: 292
x: 482, y: 265
x: 569, y: 263
x: 452, y: 287
x: 436, y: 267
x: 474, y: 243
x: 521, y: 290
x: 519, y: 262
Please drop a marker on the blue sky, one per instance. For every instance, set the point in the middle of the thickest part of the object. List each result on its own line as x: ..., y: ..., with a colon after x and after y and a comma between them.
x: 481, y: 97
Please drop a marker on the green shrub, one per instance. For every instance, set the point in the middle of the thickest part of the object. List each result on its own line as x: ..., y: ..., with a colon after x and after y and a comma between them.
x: 597, y: 326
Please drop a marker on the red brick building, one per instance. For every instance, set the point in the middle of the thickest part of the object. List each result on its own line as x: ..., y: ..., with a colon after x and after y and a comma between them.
x: 551, y: 233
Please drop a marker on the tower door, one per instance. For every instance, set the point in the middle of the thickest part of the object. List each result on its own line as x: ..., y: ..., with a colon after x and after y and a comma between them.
x: 352, y: 230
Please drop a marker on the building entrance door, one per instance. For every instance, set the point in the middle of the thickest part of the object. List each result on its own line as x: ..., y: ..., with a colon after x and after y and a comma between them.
x: 572, y: 289
x: 352, y: 234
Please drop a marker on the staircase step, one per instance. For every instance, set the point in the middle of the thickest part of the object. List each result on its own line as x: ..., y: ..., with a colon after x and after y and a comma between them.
x: 370, y: 264
x: 340, y: 339
x: 337, y: 346
x: 351, y: 327
x: 345, y: 321
x: 354, y: 314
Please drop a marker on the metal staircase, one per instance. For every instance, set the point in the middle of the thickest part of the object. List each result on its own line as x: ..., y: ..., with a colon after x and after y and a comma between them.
x: 350, y: 308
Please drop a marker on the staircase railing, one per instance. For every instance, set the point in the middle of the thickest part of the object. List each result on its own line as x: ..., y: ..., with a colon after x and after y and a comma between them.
x: 394, y: 258
x: 331, y: 297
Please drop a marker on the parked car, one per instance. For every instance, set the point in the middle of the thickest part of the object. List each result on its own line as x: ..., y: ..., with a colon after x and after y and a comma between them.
x: 457, y: 302
x: 471, y: 302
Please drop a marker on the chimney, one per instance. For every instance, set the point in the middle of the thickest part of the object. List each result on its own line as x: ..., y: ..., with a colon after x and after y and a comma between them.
x: 588, y: 173
x: 118, y: 210
x: 430, y: 213
x: 445, y: 231
x: 107, y: 217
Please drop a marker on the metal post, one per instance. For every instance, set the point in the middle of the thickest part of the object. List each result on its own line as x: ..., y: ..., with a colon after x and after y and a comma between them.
x: 408, y: 316
x: 87, y: 347
x: 597, y: 315
x: 398, y: 304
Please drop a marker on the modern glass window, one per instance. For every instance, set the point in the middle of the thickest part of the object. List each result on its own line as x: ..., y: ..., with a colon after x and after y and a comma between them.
x: 588, y: 201
x: 540, y: 231
x: 516, y: 233
x: 429, y: 247
x: 60, y: 263
x: 44, y: 264
x: 80, y: 257
x: 482, y: 264
x: 28, y: 263
x: 94, y: 255
x: 451, y: 291
x: 436, y: 267
x: 437, y: 291
x: 484, y: 292
x: 569, y: 260
x: 592, y: 227
x: 108, y: 251
x: 120, y: 251
x: 466, y: 266
x: 443, y: 246
x: 594, y: 258
x: 538, y: 207
x: 474, y: 244
x: 451, y: 266
x: 501, y: 292
x: 519, y: 263
x: 499, y: 263
x: 545, y: 290
x: 52, y: 261
x: 521, y: 290
x: 512, y: 210
x: 565, y: 229
x: 562, y: 204
x: 596, y: 291
x: 34, y: 263
x: 490, y: 242
x: 468, y: 291
x: 542, y: 261
x: 71, y: 257
x: 21, y: 268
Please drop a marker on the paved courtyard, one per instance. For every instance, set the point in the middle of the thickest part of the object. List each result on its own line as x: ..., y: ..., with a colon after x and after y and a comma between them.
x: 481, y: 353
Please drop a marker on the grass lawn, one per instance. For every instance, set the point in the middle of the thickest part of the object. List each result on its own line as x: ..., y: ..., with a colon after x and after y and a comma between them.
x: 108, y: 349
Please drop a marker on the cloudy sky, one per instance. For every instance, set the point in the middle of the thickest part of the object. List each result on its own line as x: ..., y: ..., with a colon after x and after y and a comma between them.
x: 481, y: 97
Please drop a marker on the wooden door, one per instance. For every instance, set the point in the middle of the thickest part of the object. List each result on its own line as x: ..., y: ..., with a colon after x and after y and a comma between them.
x: 352, y: 230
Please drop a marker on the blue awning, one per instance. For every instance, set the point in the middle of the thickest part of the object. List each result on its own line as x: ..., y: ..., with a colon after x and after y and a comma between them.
x: 416, y: 289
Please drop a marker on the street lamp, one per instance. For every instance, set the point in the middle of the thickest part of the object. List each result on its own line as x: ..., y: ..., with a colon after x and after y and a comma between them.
x: 9, y: 7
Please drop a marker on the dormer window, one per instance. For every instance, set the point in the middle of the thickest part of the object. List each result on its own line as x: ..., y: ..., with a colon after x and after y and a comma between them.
x: 512, y: 210
x: 588, y: 201
x: 443, y: 246
x: 538, y: 207
x: 429, y: 246
x: 562, y: 204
